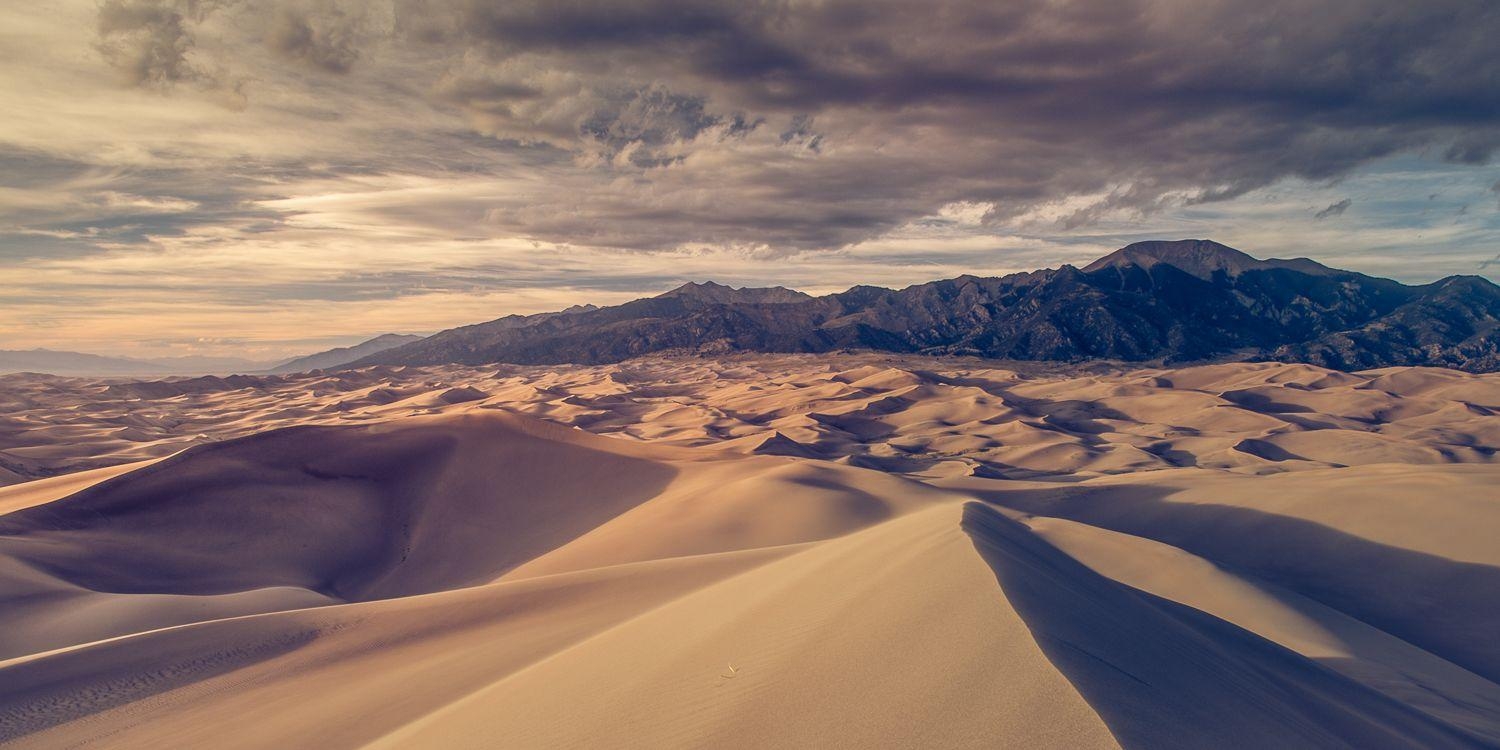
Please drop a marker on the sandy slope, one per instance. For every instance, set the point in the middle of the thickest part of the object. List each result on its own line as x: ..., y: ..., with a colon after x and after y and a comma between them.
x: 757, y: 552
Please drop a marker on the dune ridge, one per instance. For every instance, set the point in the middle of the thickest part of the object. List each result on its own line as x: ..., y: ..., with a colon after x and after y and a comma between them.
x: 754, y: 551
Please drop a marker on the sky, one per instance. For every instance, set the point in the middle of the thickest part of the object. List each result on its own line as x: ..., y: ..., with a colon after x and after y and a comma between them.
x: 265, y: 178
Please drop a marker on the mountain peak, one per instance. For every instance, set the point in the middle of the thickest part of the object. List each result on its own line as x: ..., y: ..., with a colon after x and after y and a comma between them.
x: 698, y: 287
x: 1201, y: 258
x: 709, y: 291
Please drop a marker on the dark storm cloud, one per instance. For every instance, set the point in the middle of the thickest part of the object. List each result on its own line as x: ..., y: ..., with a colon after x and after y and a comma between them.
x: 814, y: 125
x: 568, y: 24
x: 1336, y: 209
x: 913, y: 105
x: 1357, y: 62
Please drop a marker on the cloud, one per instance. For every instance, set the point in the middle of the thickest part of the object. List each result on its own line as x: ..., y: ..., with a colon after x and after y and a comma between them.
x: 801, y: 126
x: 644, y: 122
x: 1154, y: 102
x: 325, y: 40
x: 148, y: 41
x: 1336, y: 209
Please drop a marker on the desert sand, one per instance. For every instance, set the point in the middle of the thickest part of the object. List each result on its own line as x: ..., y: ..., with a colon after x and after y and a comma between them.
x: 753, y: 551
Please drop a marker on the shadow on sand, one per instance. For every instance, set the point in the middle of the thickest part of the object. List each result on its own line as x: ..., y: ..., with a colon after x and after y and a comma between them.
x: 1163, y: 675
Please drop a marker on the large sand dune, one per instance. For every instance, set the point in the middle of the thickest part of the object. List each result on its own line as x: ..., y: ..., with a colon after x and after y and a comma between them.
x: 753, y: 552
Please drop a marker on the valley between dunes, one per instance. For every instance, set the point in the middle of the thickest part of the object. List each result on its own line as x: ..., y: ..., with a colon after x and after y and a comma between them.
x: 753, y: 551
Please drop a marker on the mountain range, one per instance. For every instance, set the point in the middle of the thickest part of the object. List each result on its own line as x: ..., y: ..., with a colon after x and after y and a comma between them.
x: 1159, y: 301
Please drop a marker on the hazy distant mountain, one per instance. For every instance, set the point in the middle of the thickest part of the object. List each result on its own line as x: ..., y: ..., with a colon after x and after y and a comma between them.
x: 74, y: 363
x: 344, y: 355
x: 1163, y: 301
x: 81, y: 364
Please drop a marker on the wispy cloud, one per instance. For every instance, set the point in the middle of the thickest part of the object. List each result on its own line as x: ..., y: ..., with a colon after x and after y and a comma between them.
x: 1334, y: 209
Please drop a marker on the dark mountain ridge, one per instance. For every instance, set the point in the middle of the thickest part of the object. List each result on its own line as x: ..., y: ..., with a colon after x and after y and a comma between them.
x: 1169, y: 302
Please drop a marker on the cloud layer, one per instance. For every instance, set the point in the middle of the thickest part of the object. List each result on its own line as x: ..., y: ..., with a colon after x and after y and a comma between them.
x: 747, y: 129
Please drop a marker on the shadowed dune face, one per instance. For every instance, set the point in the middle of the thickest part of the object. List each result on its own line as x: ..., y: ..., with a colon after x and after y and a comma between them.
x: 1430, y: 581
x: 307, y: 516
x: 663, y: 553
x: 347, y: 511
x: 1166, y: 675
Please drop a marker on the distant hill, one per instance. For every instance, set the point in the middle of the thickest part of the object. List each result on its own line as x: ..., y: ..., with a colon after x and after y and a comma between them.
x: 75, y: 363
x: 1166, y: 301
x: 54, y: 362
x: 95, y: 365
x: 343, y: 355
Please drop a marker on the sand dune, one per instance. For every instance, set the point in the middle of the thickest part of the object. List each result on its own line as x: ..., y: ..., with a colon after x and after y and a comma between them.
x: 320, y: 515
x: 920, y: 417
x: 753, y: 552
